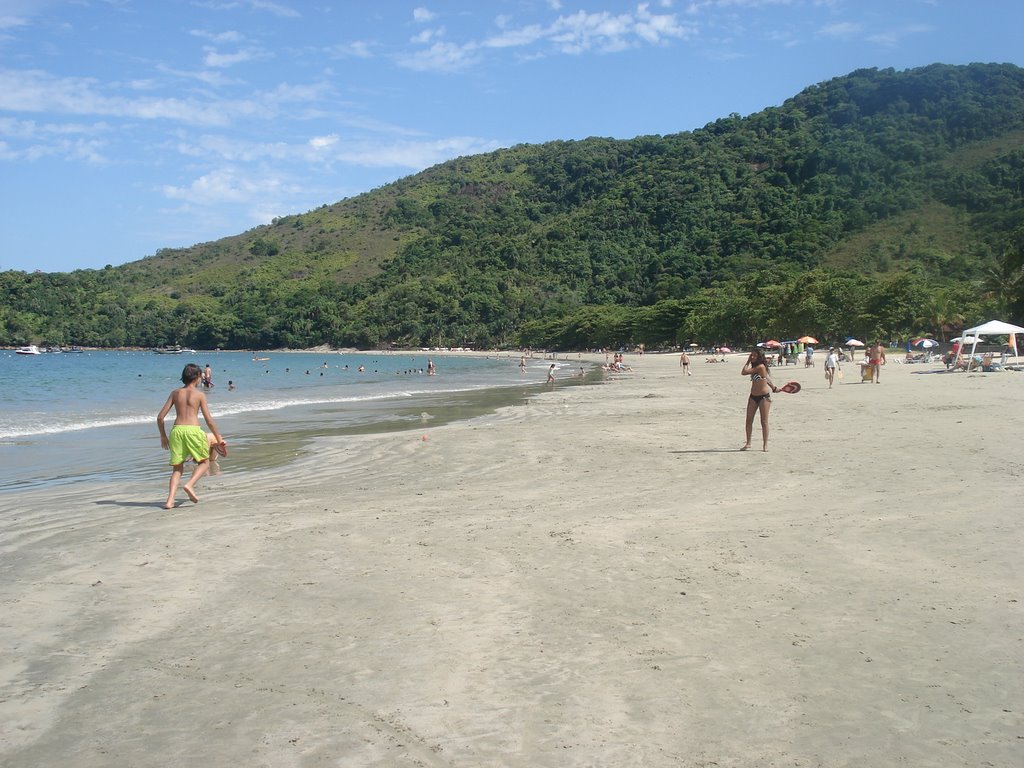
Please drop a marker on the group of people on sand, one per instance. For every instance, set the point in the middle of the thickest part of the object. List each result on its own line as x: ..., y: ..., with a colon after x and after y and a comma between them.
x: 759, y: 402
x: 187, y: 440
x: 617, y: 364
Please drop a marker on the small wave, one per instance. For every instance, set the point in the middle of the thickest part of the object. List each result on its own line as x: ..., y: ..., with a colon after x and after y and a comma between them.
x: 30, y: 430
x: 36, y: 429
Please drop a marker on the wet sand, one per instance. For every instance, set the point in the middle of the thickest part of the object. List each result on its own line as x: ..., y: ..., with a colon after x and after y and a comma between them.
x: 596, y: 578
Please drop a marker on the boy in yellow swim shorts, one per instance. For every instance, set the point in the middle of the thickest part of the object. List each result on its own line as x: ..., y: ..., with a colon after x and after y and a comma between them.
x: 187, y: 438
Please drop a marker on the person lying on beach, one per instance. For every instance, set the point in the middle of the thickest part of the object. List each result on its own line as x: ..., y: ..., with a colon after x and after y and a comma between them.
x: 187, y: 437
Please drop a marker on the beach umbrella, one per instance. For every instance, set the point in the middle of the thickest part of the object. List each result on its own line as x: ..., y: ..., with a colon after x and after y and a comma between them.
x: 926, y: 343
x: 854, y: 343
x: 694, y: 344
x: 807, y: 340
x: 966, y: 339
x: 724, y: 349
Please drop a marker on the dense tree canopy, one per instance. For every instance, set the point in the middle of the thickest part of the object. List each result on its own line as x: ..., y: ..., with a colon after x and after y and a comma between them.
x: 877, y: 204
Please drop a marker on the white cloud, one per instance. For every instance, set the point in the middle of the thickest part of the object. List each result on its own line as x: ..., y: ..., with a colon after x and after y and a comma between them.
x: 221, y: 60
x: 604, y: 32
x: 427, y: 35
x: 275, y: 8
x: 656, y: 28
x: 229, y: 185
x: 842, y: 29
x: 414, y: 155
x: 32, y: 91
x: 36, y: 91
x: 68, y: 141
x: 893, y: 37
x: 422, y: 15
x: 211, y: 77
x: 257, y: 5
x: 517, y: 37
x: 30, y: 129
x: 8, y: 21
x: 357, y: 49
x: 440, y: 57
x: 323, y: 142
x: 218, y: 37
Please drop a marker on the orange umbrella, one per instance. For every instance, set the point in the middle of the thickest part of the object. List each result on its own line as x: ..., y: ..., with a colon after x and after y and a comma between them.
x: 772, y: 343
x: 807, y: 340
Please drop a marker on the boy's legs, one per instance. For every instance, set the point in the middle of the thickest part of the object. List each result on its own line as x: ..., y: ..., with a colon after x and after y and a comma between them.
x: 172, y: 489
x: 198, y: 472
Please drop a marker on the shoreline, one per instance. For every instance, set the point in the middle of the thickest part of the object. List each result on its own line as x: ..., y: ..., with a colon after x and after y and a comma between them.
x: 596, y: 577
x: 263, y: 421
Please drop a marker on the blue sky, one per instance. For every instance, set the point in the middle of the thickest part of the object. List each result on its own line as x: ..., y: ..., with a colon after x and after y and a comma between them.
x: 132, y: 125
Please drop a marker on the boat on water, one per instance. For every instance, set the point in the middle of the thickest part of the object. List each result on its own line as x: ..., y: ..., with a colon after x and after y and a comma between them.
x: 175, y: 350
x: 31, y: 349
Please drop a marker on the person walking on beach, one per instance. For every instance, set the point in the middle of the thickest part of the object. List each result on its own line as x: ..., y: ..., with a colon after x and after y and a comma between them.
x: 187, y: 438
x: 551, y: 374
x: 831, y: 365
x: 760, y: 399
x: 684, y: 363
x: 876, y: 359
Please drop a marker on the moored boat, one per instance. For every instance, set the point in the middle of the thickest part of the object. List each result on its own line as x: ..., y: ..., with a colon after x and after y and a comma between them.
x: 31, y: 349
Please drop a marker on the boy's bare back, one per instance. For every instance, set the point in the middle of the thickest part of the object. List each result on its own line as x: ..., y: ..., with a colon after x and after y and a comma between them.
x: 187, y: 402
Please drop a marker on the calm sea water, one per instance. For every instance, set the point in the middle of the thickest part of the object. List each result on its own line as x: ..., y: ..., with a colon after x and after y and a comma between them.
x: 66, y: 417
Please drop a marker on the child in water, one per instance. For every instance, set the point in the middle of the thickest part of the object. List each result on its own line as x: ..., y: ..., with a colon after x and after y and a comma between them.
x: 187, y: 438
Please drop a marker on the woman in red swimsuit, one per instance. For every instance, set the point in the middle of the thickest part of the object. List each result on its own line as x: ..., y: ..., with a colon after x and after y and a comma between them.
x: 760, y: 399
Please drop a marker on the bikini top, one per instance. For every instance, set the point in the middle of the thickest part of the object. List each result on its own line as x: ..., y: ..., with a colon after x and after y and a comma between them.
x: 756, y: 377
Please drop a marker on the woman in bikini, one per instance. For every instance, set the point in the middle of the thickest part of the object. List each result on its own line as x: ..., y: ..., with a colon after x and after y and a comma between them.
x: 760, y: 399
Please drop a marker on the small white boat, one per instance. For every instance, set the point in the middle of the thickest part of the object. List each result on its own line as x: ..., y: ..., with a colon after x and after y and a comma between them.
x: 31, y: 349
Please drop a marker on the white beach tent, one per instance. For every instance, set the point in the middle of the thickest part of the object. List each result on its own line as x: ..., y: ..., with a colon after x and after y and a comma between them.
x: 991, y: 328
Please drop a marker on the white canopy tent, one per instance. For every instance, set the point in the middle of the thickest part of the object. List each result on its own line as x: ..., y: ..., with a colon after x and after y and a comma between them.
x: 991, y: 328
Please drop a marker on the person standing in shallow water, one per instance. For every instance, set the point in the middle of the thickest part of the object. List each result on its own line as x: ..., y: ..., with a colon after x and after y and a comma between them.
x: 187, y: 438
x: 760, y: 398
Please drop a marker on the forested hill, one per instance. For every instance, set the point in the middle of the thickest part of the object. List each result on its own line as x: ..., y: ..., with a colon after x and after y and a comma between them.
x: 878, y: 204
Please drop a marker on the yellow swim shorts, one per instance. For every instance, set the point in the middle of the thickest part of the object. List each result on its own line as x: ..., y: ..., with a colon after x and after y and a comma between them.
x: 187, y: 440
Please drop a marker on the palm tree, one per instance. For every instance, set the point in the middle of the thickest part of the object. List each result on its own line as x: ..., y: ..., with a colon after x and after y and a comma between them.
x: 1003, y: 281
x: 942, y: 311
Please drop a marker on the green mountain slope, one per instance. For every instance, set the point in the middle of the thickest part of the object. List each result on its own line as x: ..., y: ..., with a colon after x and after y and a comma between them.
x: 895, y: 197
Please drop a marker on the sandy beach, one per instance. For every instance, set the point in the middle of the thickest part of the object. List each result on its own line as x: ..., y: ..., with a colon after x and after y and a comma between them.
x: 596, y: 578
